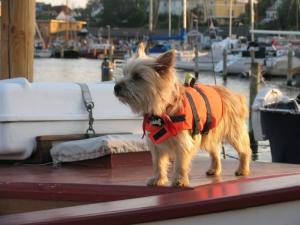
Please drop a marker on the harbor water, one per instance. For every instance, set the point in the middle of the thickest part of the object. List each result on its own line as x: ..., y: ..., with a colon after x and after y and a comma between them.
x: 89, y: 70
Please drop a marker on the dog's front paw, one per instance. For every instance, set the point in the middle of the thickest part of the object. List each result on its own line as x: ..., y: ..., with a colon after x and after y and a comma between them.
x: 180, y: 182
x: 153, y: 181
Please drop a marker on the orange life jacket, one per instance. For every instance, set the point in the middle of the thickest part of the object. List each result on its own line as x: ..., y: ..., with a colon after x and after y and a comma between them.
x: 201, y: 111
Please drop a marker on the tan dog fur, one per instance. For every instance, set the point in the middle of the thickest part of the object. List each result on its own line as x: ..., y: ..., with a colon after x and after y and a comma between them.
x: 150, y: 85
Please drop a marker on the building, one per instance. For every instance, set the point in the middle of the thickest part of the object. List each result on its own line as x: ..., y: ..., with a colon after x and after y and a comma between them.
x: 220, y: 9
x: 216, y: 9
x: 176, y: 6
x: 61, y: 22
x: 272, y: 12
x: 51, y: 29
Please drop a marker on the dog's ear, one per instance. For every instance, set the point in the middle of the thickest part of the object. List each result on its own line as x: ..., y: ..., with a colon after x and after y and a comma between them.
x: 165, y: 61
x: 140, y: 51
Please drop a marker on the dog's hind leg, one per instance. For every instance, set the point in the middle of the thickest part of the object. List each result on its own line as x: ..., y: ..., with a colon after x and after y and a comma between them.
x: 240, y: 141
x: 160, y: 162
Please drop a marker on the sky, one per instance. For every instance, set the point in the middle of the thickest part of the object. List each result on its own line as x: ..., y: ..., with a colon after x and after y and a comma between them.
x: 72, y: 3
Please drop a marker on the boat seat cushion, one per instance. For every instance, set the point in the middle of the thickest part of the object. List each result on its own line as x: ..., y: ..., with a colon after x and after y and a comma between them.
x: 92, y: 148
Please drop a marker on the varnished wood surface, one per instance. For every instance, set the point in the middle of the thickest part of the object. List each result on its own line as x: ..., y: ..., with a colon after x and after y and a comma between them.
x: 89, y: 182
x: 218, y: 197
x: 132, y: 175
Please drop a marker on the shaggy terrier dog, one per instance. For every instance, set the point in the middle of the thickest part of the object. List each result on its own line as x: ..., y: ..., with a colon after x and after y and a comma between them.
x: 178, y: 119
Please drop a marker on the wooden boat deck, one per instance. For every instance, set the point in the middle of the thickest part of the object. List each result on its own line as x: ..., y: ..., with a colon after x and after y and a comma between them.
x: 80, y: 184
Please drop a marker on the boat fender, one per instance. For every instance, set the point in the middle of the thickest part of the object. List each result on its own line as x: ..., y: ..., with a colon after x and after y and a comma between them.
x: 91, y: 148
x: 264, y: 97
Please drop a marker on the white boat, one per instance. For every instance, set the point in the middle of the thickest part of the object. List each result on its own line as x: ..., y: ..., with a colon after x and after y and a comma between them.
x: 42, y: 53
x: 208, y: 61
x: 28, y: 110
x: 273, y: 65
x: 274, y: 62
x: 278, y: 66
x: 118, y: 68
x: 205, y: 62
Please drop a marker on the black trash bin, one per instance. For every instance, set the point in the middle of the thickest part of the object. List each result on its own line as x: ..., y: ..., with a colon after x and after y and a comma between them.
x: 281, y: 125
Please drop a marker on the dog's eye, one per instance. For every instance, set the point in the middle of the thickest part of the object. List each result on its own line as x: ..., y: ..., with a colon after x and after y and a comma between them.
x: 136, y: 77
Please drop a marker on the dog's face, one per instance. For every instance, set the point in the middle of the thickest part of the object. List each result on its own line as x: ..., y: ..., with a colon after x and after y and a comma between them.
x: 148, y: 83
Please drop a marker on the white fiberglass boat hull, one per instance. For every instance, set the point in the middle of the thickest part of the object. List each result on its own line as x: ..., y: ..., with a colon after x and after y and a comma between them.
x: 28, y: 110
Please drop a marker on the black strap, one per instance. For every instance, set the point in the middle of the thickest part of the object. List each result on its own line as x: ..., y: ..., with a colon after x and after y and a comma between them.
x: 195, y: 114
x: 178, y: 118
x: 160, y: 133
x: 163, y: 131
x: 208, y: 122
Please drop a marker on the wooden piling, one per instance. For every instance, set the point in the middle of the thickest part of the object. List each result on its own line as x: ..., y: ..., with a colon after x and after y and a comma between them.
x: 290, y: 68
x: 224, y: 65
x: 254, y: 88
x: 17, y: 39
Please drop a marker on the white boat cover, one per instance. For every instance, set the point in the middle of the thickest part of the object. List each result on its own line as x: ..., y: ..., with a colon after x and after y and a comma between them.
x: 28, y: 110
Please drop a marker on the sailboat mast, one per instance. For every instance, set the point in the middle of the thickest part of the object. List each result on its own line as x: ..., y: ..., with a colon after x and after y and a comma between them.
x: 230, y: 19
x: 67, y: 23
x: 150, y: 16
x: 252, y: 19
x: 170, y: 17
x: 184, y: 14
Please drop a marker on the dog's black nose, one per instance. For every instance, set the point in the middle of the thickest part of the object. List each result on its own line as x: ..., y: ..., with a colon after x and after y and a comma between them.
x: 117, y: 88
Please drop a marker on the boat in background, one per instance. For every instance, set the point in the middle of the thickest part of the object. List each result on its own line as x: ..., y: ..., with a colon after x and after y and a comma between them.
x: 95, y: 51
x: 40, y: 50
x: 209, y: 60
x: 159, y: 48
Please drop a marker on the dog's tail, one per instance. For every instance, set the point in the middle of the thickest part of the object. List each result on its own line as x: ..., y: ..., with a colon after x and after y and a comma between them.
x: 234, y: 104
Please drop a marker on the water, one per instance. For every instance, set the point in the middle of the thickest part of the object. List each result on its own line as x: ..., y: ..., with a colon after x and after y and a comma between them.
x: 67, y: 70
x: 89, y: 70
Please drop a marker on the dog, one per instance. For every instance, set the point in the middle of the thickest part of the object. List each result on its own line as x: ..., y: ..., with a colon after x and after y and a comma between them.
x: 151, y: 89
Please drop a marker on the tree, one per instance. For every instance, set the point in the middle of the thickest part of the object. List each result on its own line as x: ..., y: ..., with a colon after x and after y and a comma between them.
x: 262, y: 7
x: 93, y: 6
x: 288, y: 15
x: 163, y: 21
x: 120, y: 13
